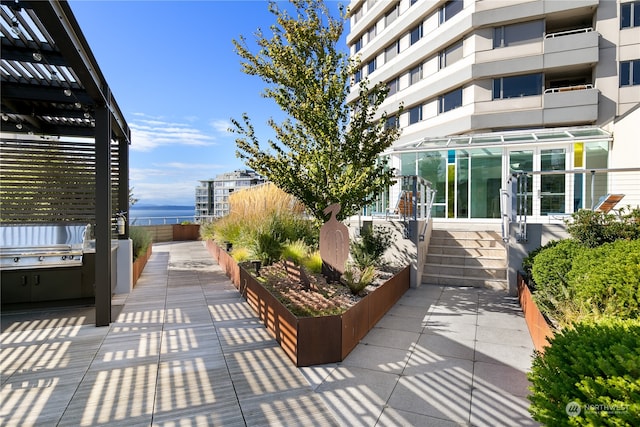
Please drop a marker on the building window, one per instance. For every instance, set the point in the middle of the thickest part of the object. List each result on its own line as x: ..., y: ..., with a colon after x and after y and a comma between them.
x: 358, y: 75
x: 415, y: 75
x: 371, y: 66
x: 359, y: 44
x: 393, y: 86
x: 412, y: 2
x: 450, y: 9
x: 415, y: 114
x: 450, y: 100
x: 391, y: 122
x: 391, y: 15
x: 450, y: 55
x: 391, y: 51
x: 371, y: 33
x: 630, y: 73
x: 517, y: 86
x: 357, y: 15
x: 416, y: 34
x: 630, y: 15
x: 517, y: 34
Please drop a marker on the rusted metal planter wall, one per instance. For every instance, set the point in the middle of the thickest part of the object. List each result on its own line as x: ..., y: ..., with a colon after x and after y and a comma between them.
x: 183, y: 232
x: 314, y: 340
x: 228, y: 264
x: 537, y: 324
x: 139, y: 264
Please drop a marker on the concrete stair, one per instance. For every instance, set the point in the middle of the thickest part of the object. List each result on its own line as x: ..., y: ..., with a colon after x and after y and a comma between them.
x: 475, y: 258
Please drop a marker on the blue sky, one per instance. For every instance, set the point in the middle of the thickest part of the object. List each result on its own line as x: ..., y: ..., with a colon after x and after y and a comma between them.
x: 173, y: 71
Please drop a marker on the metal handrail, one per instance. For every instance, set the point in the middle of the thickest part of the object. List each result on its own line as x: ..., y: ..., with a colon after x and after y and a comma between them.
x: 568, y: 88
x: 568, y: 32
x: 518, y: 190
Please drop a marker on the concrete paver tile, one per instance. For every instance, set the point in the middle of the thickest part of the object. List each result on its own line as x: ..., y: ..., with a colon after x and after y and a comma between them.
x: 493, y: 407
x: 447, y: 346
x: 433, y: 395
x: 397, y: 418
x: 401, y: 323
x: 391, y: 338
x: 383, y: 359
x: 357, y: 396
x: 517, y: 357
x: 495, y: 335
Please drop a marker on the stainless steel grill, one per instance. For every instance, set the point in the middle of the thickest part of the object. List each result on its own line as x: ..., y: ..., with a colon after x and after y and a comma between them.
x: 42, y: 246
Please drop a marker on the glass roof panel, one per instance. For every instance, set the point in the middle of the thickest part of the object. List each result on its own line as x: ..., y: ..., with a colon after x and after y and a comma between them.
x: 521, y: 137
x: 588, y: 132
x: 551, y: 135
x: 507, y: 138
x: 486, y: 139
x: 460, y: 140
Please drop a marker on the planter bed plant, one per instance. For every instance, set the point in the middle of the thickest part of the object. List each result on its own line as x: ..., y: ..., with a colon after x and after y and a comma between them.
x: 329, y: 320
x: 587, y: 291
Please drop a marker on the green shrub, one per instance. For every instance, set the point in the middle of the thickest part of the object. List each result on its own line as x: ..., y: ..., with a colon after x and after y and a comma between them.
x: 368, y: 249
x: 357, y: 279
x: 527, y: 262
x: 593, y: 228
x: 296, y: 251
x: 595, y: 365
x: 550, y: 269
x: 240, y: 254
x: 606, y: 279
x: 313, y: 262
x: 266, y: 247
x: 141, y: 239
x: 207, y: 231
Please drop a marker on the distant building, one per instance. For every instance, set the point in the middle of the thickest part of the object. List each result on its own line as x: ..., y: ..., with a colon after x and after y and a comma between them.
x: 212, y: 196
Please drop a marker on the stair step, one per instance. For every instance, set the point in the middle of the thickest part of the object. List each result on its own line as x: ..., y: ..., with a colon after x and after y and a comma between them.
x: 465, y: 260
x: 465, y: 281
x: 466, y: 243
x: 463, y: 257
x: 466, y: 234
x: 462, y: 271
x: 471, y: 252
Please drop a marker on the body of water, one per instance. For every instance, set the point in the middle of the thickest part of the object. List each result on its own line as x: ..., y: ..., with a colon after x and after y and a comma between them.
x: 156, y: 215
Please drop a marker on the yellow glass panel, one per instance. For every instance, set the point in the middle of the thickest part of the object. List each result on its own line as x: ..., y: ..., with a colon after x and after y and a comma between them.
x: 578, y: 151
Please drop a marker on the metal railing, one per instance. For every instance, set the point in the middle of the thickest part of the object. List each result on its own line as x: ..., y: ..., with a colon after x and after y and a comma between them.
x: 568, y: 33
x: 597, y: 183
x: 568, y: 88
x: 161, y: 220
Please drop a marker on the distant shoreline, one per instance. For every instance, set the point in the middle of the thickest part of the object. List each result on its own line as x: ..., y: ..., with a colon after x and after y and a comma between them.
x: 162, y: 207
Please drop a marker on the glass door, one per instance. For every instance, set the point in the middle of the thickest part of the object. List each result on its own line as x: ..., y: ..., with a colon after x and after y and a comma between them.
x: 543, y: 187
x: 553, y: 185
x: 521, y: 163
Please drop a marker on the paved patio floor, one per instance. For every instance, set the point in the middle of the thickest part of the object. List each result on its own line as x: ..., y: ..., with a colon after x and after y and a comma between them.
x: 185, y: 349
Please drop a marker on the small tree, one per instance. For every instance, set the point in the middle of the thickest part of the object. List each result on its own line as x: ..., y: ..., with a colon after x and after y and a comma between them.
x: 327, y: 151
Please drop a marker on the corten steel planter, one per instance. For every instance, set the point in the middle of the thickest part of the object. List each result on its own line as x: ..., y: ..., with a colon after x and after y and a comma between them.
x: 539, y: 328
x: 139, y: 264
x: 228, y: 264
x: 183, y: 232
x: 317, y: 340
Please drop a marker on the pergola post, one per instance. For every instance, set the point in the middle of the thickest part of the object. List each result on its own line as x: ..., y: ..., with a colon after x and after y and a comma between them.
x: 103, y: 215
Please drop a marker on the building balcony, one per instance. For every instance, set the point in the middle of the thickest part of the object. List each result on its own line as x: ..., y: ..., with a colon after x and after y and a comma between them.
x: 555, y: 107
x: 571, y: 47
x: 571, y: 104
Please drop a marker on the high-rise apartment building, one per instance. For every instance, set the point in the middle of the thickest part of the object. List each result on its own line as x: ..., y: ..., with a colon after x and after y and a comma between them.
x: 492, y: 87
x: 212, y: 196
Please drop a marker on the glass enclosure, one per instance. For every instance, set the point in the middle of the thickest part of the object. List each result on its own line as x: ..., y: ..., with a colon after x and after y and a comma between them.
x: 468, y: 180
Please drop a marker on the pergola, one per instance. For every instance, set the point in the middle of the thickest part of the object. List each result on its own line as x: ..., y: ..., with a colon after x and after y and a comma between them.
x: 56, y: 104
